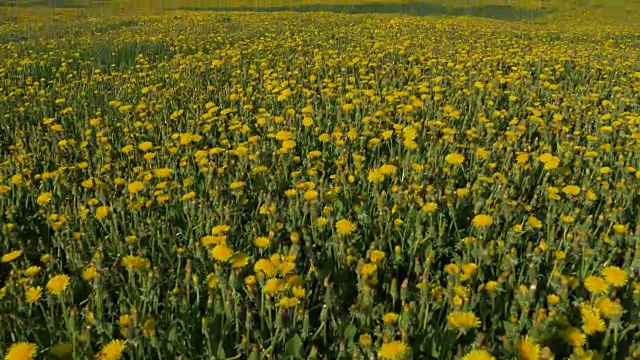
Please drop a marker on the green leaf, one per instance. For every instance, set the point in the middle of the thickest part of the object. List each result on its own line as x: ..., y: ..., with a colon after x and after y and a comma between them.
x: 62, y: 351
x: 293, y: 348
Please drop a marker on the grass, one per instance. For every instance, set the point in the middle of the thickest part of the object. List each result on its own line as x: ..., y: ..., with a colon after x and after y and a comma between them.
x: 308, y: 185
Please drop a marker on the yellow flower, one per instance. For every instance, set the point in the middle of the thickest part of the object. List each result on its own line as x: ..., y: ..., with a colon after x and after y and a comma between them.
x: 615, y: 276
x: 222, y: 252
x: 390, y: 318
x: 571, y: 190
x: 620, y: 228
x: 596, y: 285
x: 482, y: 221
x: 553, y: 299
x: 113, y: 350
x: 429, y: 207
x: 527, y: 349
x: 33, y: 294
x: 288, y: 302
x: 368, y: 269
x: 266, y: 267
x: 345, y: 227
x: 375, y: 175
x: 377, y: 256
x: 394, y: 350
x: 189, y: 196
x: 261, y: 242
x: 591, y: 321
x: 88, y: 184
x: 89, y: 273
x: 463, y: 320
x: 575, y: 337
x: 609, y: 308
x: 272, y: 286
x: 239, y: 260
x: 102, y: 212
x: 212, y: 281
x: 21, y: 351
x: 44, y: 198
x: 31, y: 271
x: 57, y: 284
x: 454, y: 159
x: 236, y: 185
x: 135, y: 187
x: 365, y: 340
x: 534, y: 222
x: 16, y: 179
x: 11, y: 256
x: 478, y: 354
x: 310, y: 195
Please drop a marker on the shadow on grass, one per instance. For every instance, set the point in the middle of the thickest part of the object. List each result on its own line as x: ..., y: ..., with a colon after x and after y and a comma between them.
x: 497, y: 12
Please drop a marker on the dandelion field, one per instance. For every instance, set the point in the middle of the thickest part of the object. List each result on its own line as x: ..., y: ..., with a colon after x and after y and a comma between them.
x: 213, y: 185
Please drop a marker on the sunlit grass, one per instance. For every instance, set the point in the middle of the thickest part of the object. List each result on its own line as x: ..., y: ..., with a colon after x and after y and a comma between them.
x: 214, y: 185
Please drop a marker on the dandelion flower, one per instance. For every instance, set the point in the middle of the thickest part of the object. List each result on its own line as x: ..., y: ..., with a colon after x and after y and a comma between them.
x: 481, y: 221
x: 102, y: 212
x: 390, y: 318
x: 478, y: 354
x: 57, y: 284
x: 113, y: 350
x: 528, y: 349
x: 11, y: 256
x: 591, y: 321
x: 454, y: 159
x: 615, y: 276
x: 463, y: 320
x: 261, y: 242
x: 596, y: 285
x: 222, y: 252
x: 33, y: 294
x: 135, y: 187
x: 394, y: 350
x: 345, y: 227
x: 44, y: 198
x: 21, y: 351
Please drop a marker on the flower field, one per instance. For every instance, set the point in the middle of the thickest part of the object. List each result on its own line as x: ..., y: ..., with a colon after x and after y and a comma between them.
x: 208, y: 185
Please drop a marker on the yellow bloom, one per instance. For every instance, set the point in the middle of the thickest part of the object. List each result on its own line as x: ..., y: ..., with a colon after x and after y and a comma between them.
x: 272, y: 286
x: 534, y: 222
x: 615, y: 276
x: 478, y: 355
x: 527, y: 349
x: 239, y: 260
x: 454, y: 159
x: 609, y: 308
x: 113, y: 350
x: 596, y: 285
x: 222, y: 252
x: 575, y: 337
x: 21, y: 351
x: 89, y: 273
x: 591, y: 321
x: 11, y: 256
x: 482, y: 221
x: 33, y: 294
x: 345, y: 227
x: 429, y: 207
x: 57, y: 284
x: 390, y: 318
x: 261, y: 242
x: 44, y: 198
x: 394, y: 350
x: 463, y: 320
x: 102, y: 212
x: 571, y: 190
x: 135, y: 187
x: 236, y: 185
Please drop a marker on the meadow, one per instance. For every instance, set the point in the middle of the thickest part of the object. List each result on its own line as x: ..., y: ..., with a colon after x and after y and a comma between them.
x: 320, y: 185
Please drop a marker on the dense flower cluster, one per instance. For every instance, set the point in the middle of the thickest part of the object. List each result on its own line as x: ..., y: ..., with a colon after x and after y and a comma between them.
x: 317, y: 185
